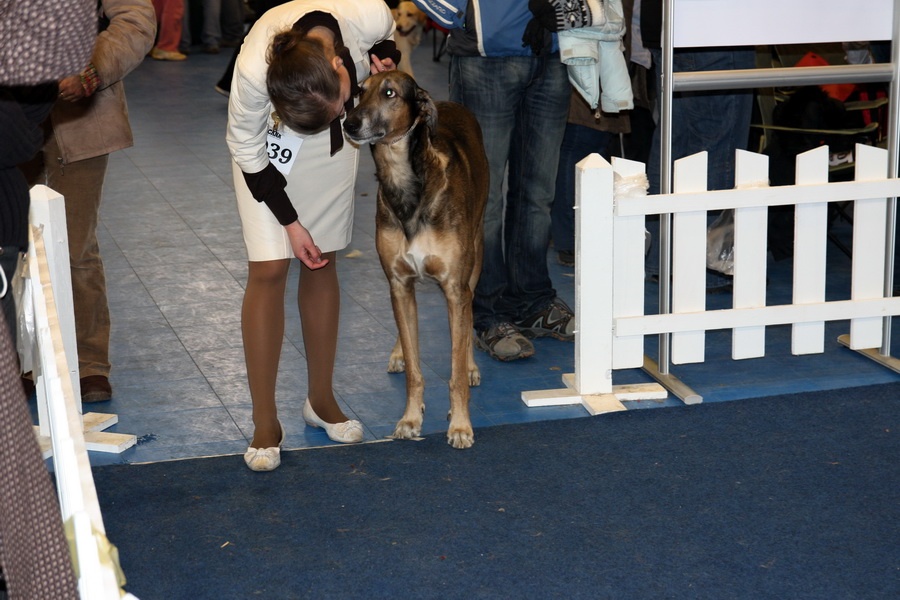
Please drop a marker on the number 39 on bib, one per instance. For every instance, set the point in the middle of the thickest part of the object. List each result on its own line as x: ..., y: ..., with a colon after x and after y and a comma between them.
x: 282, y: 148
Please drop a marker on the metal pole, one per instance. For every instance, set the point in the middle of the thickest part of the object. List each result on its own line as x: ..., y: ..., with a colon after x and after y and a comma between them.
x: 893, y: 143
x: 667, y: 87
x: 697, y: 81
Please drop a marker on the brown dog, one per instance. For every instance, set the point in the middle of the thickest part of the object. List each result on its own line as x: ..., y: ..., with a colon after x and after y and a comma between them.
x: 410, y: 21
x: 433, y: 185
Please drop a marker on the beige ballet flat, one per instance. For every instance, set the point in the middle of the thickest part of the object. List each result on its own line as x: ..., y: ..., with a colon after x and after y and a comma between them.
x: 348, y: 432
x: 264, y: 459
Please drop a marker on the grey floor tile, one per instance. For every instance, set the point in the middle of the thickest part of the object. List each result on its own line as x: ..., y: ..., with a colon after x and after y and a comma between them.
x: 164, y: 396
x: 176, y: 265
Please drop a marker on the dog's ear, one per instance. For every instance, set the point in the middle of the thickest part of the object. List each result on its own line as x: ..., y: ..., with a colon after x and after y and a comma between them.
x: 427, y: 109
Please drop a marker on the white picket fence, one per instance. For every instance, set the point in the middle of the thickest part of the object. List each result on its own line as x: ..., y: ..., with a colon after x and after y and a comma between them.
x: 64, y: 433
x: 609, y: 284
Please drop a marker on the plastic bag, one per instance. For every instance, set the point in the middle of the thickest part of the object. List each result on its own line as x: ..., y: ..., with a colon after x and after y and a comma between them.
x: 24, y: 300
x: 720, y: 243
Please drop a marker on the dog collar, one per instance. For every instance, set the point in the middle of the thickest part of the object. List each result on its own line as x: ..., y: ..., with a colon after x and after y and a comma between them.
x: 408, y: 131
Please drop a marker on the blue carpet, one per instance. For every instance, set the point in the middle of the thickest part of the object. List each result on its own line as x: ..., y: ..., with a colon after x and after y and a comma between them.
x: 793, y: 496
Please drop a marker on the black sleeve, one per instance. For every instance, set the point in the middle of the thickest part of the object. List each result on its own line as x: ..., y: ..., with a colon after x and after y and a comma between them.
x: 651, y: 23
x: 22, y: 110
x: 268, y: 186
x: 386, y: 49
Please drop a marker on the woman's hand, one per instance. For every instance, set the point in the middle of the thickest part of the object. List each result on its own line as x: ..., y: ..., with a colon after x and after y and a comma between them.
x: 71, y: 90
x: 303, y: 246
x: 379, y: 65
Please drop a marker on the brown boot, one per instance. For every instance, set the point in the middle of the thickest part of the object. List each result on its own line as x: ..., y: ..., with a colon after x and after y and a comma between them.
x: 95, y: 388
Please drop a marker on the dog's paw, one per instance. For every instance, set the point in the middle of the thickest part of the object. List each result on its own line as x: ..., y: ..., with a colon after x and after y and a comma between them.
x: 396, y: 364
x: 474, y: 376
x: 407, y: 430
x: 460, y: 437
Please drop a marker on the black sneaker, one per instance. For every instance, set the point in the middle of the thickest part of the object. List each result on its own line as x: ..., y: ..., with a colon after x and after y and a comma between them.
x: 504, y: 342
x: 557, y: 321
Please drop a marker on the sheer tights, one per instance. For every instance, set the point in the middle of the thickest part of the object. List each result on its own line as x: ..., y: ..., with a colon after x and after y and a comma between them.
x: 262, y: 326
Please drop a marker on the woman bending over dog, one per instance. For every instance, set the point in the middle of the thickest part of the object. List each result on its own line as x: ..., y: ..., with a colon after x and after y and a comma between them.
x: 295, y: 78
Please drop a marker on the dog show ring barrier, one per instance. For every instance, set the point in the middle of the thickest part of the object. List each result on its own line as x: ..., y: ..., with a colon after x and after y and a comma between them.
x: 63, y: 432
x: 609, y: 288
x: 704, y: 23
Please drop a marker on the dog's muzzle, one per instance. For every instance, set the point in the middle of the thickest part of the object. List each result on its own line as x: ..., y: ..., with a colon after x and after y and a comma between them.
x: 358, y: 133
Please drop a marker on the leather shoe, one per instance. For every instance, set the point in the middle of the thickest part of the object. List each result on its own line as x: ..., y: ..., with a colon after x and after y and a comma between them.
x: 95, y: 388
x: 348, y: 432
x: 160, y: 54
x: 264, y: 459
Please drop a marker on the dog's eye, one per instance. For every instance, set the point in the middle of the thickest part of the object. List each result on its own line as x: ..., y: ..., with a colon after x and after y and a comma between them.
x: 390, y: 93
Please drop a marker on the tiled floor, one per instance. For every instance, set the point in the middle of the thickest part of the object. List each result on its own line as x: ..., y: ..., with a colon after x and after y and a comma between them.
x: 176, y: 266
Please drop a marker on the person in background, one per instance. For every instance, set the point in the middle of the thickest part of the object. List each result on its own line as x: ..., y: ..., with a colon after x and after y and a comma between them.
x: 296, y: 75
x: 31, y: 60
x: 590, y: 131
x: 232, y: 23
x: 169, y: 18
x: 715, y: 121
x: 519, y: 92
x: 34, y: 556
x: 88, y: 121
x: 210, y: 30
x: 223, y: 86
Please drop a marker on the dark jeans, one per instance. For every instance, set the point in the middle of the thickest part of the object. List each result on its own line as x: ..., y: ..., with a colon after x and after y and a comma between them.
x: 578, y: 142
x: 521, y: 104
x: 718, y: 122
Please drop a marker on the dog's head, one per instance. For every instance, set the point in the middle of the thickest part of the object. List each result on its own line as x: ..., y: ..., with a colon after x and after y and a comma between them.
x: 410, y: 19
x: 390, y: 107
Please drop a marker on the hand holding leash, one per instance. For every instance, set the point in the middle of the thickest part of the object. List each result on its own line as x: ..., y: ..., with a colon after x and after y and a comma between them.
x: 303, y: 246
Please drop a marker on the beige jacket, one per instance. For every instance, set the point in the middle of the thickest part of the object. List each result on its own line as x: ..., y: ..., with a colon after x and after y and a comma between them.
x: 98, y: 124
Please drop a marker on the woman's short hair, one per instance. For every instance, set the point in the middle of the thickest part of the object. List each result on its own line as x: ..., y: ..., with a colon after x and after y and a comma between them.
x: 302, y: 83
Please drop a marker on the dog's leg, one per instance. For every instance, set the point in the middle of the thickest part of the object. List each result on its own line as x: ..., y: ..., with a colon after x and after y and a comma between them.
x: 403, y: 299
x: 459, y: 305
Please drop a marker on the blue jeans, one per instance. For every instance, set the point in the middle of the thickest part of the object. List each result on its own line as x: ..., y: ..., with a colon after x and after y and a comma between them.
x: 715, y: 121
x: 521, y: 104
x: 578, y: 142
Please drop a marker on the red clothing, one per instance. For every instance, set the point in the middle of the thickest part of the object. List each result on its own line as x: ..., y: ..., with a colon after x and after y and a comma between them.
x: 169, y: 15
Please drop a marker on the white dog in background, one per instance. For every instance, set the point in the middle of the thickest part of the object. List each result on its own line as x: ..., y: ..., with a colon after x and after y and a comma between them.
x: 410, y: 27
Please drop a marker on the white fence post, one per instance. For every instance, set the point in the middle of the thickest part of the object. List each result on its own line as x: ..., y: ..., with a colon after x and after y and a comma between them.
x: 689, y: 258
x: 628, y: 262
x: 810, y: 241
x: 869, y: 217
x: 608, y: 256
x: 48, y: 214
x: 750, y: 233
x: 593, y: 278
x: 55, y: 366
